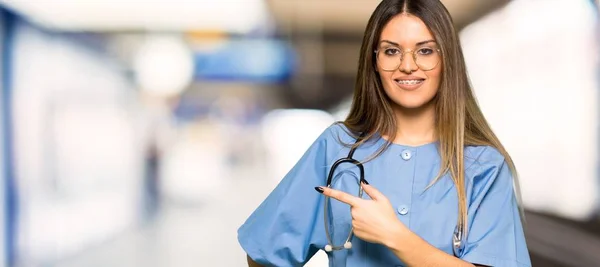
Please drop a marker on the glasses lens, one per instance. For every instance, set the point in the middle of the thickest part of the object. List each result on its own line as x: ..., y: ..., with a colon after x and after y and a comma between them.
x: 389, y: 58
x: 427, y: 58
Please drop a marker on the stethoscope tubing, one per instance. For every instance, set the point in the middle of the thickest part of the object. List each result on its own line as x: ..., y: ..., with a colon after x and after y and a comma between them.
x: 457, y: 237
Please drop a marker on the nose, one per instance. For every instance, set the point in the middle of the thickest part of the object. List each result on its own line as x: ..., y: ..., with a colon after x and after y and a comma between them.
x: 407, y: 63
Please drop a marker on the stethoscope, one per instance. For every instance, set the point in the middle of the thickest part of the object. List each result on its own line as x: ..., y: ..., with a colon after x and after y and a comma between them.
x: 457, y: 236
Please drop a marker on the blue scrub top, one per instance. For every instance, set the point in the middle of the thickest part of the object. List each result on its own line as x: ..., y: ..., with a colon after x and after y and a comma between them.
x: 287, y: 229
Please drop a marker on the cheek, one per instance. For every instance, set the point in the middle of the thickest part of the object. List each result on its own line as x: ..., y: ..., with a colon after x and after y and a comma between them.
x: 386, y: 78
x: 435, y: 77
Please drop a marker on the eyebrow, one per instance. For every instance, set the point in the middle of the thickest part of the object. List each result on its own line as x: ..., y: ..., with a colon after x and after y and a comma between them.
x: 418, y: 44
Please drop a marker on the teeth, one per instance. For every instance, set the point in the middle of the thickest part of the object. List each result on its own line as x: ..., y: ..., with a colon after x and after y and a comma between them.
x: 411, y: 82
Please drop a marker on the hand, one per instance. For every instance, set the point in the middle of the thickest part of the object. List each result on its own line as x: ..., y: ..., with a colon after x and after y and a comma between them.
x: 373, y: 220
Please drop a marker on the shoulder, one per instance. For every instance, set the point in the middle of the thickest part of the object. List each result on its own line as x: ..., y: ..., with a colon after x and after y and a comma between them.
x: 481, y: 162
x: 337, y: 140
x: 337, y: 133
x: 483, y: 155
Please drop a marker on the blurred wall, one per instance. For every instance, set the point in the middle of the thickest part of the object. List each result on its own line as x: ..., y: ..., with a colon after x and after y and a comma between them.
x: 3, y: 198
x: 536, y: 78
x: 3, y: 172
x: 78, y: 153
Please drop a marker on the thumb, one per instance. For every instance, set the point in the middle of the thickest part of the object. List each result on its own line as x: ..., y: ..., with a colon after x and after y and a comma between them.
x: 371, y: 191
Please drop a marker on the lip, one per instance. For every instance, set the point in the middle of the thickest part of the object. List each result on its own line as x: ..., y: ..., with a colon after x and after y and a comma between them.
x: 409, y: 87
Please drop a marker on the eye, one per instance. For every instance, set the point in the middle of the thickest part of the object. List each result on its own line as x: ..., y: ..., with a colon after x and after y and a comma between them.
x: 425, y: 51
x: 391, y: 51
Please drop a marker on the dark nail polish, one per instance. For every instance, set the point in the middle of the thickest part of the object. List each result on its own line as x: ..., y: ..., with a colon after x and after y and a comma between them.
x: 365, y: 181
x: 319, y: 189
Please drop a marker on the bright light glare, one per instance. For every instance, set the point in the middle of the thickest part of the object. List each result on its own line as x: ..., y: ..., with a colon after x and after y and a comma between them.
x: 164, y: 66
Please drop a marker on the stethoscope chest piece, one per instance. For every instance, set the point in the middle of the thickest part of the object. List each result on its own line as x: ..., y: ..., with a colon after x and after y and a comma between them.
x: 457, y: 240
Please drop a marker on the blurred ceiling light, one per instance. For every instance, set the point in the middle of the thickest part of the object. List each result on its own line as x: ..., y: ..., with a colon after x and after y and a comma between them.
x: 231, y: 16
x: 164, y: 65
x: 256, y: 60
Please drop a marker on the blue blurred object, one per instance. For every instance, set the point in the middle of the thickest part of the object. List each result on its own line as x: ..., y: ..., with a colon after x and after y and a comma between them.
x: 255, y: 60
x: 9, y: 201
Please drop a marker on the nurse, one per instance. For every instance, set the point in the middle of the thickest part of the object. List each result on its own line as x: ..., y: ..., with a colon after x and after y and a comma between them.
x: 431, y: 163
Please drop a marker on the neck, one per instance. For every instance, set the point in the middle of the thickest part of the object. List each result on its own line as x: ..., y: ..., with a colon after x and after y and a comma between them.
x: 415, y: 126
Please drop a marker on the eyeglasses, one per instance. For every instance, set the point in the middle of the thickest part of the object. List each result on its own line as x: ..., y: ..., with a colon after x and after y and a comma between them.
x: 426, y: 58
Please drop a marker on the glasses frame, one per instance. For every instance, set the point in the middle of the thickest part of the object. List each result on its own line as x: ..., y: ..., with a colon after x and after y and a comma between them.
x: 414, y: 54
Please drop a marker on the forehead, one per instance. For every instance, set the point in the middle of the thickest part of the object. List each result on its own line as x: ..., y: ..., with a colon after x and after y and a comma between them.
x: 406, y: 30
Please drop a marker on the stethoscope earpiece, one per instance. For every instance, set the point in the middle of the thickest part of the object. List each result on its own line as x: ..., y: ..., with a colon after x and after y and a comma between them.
x: 347, y: 245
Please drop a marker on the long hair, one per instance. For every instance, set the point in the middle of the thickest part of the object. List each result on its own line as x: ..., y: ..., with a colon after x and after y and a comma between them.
x: 459, y: 121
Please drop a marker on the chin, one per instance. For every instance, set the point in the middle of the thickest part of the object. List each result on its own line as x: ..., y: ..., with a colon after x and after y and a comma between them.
x: 416, y: 99
x: 412, y: 103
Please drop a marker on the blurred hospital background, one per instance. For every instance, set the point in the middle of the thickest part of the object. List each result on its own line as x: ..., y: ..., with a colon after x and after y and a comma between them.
x: 143, y: 133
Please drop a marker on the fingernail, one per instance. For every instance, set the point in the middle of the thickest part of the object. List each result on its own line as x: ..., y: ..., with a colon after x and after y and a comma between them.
x: 319, y: 189
x: 365, y: 181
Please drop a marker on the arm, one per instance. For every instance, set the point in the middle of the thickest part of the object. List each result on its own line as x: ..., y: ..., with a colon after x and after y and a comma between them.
x: 284, y: 229
x: 495, y: 236
x: 375, y: 221
x: 415, y: 251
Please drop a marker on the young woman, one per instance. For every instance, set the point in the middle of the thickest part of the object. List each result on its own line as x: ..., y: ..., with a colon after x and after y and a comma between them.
x: 438, y: 182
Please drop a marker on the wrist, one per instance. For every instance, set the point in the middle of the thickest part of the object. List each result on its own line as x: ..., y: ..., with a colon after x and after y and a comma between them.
x: 397, y: 238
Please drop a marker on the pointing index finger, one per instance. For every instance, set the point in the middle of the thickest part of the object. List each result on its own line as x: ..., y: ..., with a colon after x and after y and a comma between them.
x: 341, y: 196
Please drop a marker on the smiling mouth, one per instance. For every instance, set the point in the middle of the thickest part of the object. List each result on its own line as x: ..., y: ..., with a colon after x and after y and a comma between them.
x: 409, y: 82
